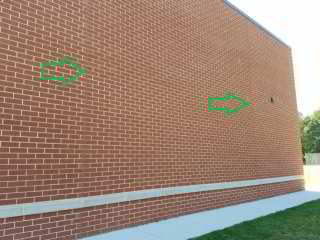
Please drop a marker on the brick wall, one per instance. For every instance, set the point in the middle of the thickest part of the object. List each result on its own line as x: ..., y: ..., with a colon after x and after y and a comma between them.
x: 128, y: 124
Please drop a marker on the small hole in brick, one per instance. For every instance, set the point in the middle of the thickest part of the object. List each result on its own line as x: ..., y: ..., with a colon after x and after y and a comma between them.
x: 271, y: 100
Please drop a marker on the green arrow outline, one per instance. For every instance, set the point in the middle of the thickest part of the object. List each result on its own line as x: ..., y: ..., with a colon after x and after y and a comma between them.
x: 227, y: 111
x: 66, y: 60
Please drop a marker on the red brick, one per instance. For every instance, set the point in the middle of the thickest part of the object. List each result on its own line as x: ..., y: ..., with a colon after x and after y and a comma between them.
x: 128, y: 125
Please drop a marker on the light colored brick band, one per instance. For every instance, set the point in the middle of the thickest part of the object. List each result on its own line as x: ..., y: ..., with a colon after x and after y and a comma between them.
x: 67, y: 204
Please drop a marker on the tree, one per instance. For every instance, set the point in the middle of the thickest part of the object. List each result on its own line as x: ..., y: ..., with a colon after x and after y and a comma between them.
x: 310, y: 133
x: 302, y: 135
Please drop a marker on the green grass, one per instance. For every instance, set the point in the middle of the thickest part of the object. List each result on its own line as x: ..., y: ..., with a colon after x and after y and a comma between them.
x: 299, y: 223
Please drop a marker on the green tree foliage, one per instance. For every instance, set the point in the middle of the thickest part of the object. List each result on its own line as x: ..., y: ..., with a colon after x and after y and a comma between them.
x: 310, y: 133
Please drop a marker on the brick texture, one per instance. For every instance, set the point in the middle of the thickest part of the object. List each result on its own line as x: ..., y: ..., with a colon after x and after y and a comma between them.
x: 128, y: 124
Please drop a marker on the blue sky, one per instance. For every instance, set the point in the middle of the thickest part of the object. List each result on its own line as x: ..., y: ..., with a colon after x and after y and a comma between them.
x: 297, y: 23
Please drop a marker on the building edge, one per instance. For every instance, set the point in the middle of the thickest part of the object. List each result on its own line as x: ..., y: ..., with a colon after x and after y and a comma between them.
x: 226, y: 2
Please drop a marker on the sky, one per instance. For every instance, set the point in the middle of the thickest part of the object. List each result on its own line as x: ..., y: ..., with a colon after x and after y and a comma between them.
x: 297, y: 23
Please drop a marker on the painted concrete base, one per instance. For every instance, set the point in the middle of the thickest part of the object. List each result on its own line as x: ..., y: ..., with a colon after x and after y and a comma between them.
x: 193, y: 225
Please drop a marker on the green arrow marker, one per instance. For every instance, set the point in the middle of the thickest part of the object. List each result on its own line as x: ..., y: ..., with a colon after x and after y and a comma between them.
x: 65, y: 61
x: 228, y: 111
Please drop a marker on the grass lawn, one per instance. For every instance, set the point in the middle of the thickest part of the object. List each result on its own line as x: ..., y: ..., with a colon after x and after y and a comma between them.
x: 299, y: 223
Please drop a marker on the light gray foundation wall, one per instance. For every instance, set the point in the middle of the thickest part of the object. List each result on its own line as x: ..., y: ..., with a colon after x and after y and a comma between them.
x: 74, y: 203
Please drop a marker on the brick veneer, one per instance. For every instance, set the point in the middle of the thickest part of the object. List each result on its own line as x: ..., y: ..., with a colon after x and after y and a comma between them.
x: 128, y: 125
